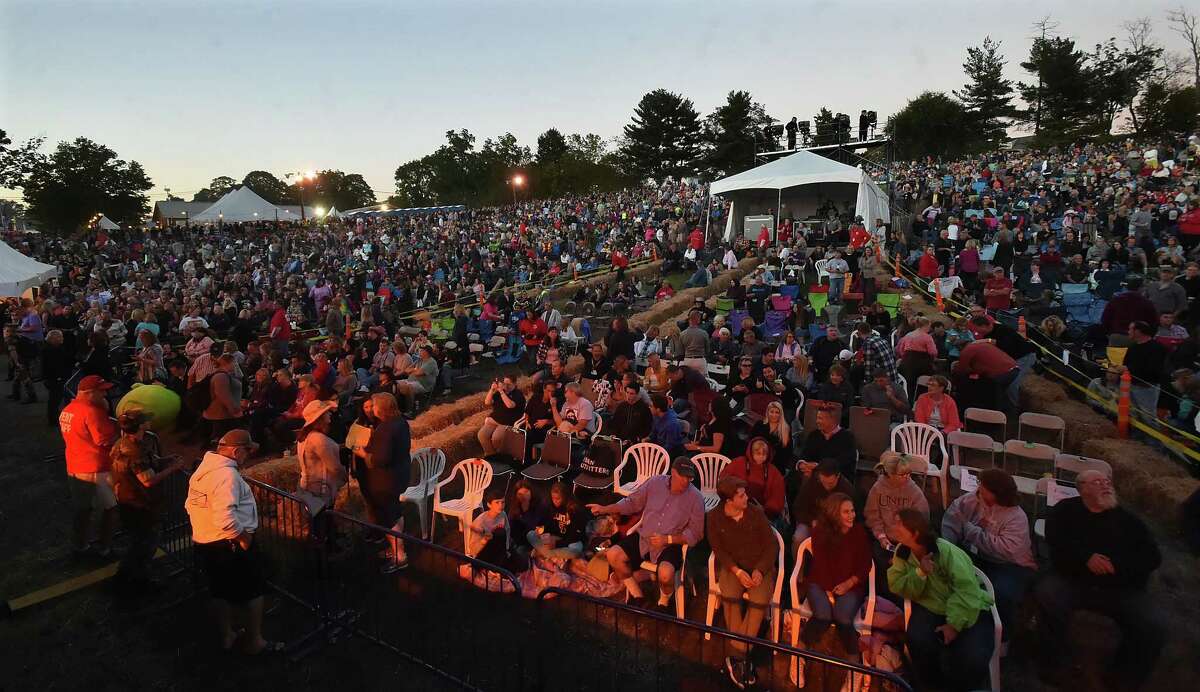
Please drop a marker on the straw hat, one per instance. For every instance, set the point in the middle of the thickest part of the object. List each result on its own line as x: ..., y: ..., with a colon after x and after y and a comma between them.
x: 316, y: 409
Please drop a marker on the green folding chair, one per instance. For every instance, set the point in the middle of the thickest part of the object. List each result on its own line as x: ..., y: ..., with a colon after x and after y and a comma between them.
x: 889, y: 301
x: 724, y: 306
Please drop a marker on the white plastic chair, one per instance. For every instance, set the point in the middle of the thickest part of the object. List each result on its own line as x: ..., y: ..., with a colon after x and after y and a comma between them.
x: 773, y: 609
x: 998, y: 629
x: 918, y: 440
x: 902, y: 383
x: 430, y: 463
x: 477, y: 476
x: 709, y: 466
x: 801, y: 611
x: 651, y: 459
x: 821, y: 272
x: 652, y: 567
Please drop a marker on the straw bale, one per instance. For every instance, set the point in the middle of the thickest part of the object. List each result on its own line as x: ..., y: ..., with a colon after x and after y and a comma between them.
x: 1145, y: 478
x: 1083, y: 422
x: 1037, y: 393
x: 282, y: 473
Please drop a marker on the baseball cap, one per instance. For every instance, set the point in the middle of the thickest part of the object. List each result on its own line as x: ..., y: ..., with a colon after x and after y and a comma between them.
x: 238, y: 438
x: 845, y: 355
x: 91, y: 382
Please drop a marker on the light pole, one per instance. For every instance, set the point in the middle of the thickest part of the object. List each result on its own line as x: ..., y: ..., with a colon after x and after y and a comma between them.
x: 300, y: 189
x: 516, y: 181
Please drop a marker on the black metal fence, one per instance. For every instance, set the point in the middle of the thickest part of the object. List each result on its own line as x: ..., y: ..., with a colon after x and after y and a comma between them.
x: 622, y: 647
x: 467, y: 621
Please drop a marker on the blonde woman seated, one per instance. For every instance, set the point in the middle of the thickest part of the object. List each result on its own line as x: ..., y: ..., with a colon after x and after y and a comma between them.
x: 775, y: 429
x: 893, y: 491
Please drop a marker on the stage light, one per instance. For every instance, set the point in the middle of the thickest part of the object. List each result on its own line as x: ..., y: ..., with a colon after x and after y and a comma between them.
x: 320, y: 211
x: 518, y: 180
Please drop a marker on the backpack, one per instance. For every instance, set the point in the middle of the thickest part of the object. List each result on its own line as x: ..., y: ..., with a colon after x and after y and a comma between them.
x: 199, y: 395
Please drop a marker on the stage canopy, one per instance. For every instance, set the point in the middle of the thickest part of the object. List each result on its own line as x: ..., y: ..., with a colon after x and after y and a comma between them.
x: 796, y: 186
x: 107, y: 224
x: 18, y: 272
x: 243, y: 204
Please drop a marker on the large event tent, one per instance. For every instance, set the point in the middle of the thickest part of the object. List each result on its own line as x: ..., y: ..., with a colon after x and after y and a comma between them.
x: 18, y: 272
x: 243, y: 204
x: 797, y: 185
x: 107, y: 224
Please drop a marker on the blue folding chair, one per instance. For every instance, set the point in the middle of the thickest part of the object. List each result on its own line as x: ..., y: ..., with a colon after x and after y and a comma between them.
x: 735, y: 321
x: 792, y: 292
x: 775, y: 324
x: 1078, y: 306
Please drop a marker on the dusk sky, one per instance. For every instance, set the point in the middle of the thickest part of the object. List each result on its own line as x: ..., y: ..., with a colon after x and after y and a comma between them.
x: 198, y: 89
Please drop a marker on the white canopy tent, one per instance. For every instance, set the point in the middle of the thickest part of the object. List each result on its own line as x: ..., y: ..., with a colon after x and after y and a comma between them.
x: 243, y: 204
x: 107, y: 224
x: 18, y: 272
x: 800, y: 182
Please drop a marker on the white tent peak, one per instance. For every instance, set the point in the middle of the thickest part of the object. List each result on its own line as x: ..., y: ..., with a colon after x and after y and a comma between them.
x: 18, y: 272
x: 107, y: 224
x: 242, y: 204
x: 801, y: 168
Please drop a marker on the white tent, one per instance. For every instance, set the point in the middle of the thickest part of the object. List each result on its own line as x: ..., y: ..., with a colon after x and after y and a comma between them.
x: 799, y: 181
x: 242, y: 204
x: 107, y: 224
x: 18, y: 272
x: 333, y: 213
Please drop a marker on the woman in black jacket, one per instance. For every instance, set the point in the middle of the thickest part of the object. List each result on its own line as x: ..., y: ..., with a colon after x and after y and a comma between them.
x: 620, y: 340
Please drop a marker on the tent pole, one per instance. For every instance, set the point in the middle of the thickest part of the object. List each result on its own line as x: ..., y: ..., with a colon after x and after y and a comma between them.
x: 708, y: 219
x: 778, y: 214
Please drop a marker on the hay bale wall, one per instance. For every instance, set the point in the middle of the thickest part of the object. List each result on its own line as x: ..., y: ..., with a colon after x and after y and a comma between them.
x: 1152, y: 482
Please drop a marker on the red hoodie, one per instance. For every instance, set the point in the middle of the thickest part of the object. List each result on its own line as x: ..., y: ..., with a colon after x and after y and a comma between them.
x: 763, y: 483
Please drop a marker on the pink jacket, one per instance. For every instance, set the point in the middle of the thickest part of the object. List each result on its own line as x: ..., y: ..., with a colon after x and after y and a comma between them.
x: 948, y: 411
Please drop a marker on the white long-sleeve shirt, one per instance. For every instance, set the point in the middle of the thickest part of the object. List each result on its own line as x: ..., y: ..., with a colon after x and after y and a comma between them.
x: 219, y: 501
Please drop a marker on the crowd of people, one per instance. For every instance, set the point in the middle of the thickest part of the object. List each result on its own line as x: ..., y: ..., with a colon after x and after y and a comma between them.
x: 766, y: 380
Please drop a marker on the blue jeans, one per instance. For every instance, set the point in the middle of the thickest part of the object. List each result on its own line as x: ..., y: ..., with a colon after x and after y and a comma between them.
x: 960, y: 665
x: 1010, y: 583
x: 1024, y: 367
x: 835, y: 288
x: 842, y: 610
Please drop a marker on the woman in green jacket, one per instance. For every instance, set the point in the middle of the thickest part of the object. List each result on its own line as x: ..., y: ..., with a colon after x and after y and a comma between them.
x: 950, y: 631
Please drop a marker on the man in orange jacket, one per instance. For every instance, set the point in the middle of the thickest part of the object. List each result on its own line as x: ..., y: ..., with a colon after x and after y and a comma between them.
x: 89, y: 434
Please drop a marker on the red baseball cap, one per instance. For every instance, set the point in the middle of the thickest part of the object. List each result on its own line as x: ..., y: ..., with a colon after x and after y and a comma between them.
x: 94, y: 382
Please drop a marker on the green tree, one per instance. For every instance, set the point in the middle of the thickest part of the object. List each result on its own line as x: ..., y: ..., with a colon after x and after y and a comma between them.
x: 1117, y: 76
x: 1060, y: 103
x: 218, y: 188
x: 17, y: 163
x: 988, y: 95
x: 729, y: 133
x: 551, y: 147
x: 268, y: 187
x: 932, y: 124
x: 81, y: 179
x: 414, y: 184
x: 1168, y: 110
x: 662, y: 138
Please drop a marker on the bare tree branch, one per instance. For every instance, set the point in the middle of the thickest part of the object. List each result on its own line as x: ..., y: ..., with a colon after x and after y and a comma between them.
x: 1187, y: 25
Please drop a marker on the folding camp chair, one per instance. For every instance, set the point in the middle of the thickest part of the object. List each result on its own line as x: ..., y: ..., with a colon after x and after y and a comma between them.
x: 596, y: 471
x: 775, y: 324
x: 967, y: 451
x: 871, y: 427
x: 555, y: 460
x: 735, y: 321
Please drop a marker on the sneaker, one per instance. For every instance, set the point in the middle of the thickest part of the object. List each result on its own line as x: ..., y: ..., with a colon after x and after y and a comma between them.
x: 394, y: 566
x: 734, y: 667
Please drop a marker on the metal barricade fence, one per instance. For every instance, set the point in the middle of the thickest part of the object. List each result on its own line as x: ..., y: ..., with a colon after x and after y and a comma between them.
x: 460, y: 617
x: 599, y: 644
x: 175, y: 538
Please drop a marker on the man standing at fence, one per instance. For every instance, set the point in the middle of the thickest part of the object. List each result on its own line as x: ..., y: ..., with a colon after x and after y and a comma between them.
x: 89, y: 434
x: 746, y: 551
x: 692, y: 344
x: 224, y: 517
x: 672, y: 517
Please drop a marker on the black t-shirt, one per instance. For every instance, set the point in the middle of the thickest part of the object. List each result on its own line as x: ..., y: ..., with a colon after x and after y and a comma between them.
x: 504, y: 415
x: 569, y: 526
x: 1146, y: 361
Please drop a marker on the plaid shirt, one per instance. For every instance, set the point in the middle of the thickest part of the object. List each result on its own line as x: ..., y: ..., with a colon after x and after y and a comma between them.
x: 878, y: 354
